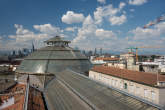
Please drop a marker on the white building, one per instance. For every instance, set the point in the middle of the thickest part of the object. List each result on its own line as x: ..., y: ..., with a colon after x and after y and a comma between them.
x: 117, y: 65
x: 145, y: 86
x: 103, y: 60
x: 129, y: 59
x: 157, y: 66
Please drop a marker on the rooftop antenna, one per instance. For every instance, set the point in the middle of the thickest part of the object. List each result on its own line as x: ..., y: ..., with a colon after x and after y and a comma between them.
x: 33, y: 47
x: 101, y: 51
x: 95, y: 51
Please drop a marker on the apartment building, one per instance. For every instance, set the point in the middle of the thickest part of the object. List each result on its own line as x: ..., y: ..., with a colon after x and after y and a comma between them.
x: 147, y: 86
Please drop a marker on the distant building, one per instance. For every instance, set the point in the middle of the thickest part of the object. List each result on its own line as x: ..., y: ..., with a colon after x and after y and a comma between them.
x: 4, y: 59
x: 155, y: 66
x: 117, y: 65
x: 129, y: 60
x: 150, y: 67
x: 147, y: 86
x: 126, y: 55
x: 103, y: 60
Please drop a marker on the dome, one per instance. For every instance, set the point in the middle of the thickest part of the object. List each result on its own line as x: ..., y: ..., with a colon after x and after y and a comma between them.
x: 55, y: 57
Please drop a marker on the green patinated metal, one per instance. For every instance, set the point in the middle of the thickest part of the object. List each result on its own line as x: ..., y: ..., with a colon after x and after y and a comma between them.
x: 53, y: 58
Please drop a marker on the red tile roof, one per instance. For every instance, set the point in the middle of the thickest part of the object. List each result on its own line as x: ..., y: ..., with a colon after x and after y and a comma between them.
x: 106, y: 58
x: 18, y: 98
x: 139, y: 77
x: 35, y: 100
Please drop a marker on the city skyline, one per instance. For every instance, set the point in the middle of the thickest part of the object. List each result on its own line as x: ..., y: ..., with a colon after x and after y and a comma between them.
x: 111, y: 25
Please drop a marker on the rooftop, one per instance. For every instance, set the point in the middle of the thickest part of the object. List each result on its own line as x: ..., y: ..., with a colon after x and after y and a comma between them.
x: 56, y: 39
x: 35, y: 100
x: 106, y: 59
x: 73, y: 91
x: 5, y: 84
x: 13, y: 98
x: 70, y: 90
x: 139, y: 77
x: 54, y: 58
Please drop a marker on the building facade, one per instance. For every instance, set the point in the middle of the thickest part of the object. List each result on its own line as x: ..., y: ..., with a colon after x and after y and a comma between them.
x: 122, y: 79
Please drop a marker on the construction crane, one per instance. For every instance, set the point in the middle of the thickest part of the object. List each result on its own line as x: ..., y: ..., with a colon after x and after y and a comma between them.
x: 136, y: 48
x: 131, y: 50
x: 156, y: 21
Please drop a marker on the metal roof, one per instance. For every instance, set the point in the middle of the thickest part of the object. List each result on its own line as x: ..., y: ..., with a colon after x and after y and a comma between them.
x: 58, y: 97
x: 51, y: 59
x: 52, y: 66
x: 69, y: 89
x: 52, y: 53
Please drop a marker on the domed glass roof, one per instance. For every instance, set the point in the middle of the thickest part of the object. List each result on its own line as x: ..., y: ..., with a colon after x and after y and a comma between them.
x: 55, y: 57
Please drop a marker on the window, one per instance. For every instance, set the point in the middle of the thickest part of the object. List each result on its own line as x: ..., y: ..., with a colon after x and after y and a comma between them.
x: 91, y: 75
x: 138, y: 90
x: 153, y: 95
x: 145, y: 93
x: 109, y: 82
x: 94, y: 76
x: 161, y: 83
x: 104, y: 79
x: 121, y: 85
x: 131, y: 88
x: 116, y: 83
x: 112, y: 82
x: 125, y: 85
x: 99, y: 76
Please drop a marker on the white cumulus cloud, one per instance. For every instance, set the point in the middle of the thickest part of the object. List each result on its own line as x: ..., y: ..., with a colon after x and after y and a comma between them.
x: 155, y: 32
x: 106, y: 12
x: 71, y: 29
x: 118, y: 20
x: 71, y: 17
x: 137, y: 2
x: 87, y: 30
x: 48, y: 29
x: 121, y: 5
x: 89, y: 36
x: 101, y: 1
x: 104, y: 33
x: 23, y: 38
x: 21, y: 31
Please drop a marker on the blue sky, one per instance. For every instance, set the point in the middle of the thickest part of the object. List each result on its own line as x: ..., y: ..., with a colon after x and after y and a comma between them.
x: 109, y: 24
